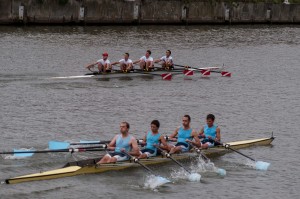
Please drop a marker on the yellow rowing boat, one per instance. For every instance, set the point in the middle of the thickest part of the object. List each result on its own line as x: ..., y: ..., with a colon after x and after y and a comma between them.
x: 89, y: 166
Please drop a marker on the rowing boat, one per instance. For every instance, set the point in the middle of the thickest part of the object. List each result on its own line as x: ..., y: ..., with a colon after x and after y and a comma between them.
x: 89, y: 166
x: 135, y: 73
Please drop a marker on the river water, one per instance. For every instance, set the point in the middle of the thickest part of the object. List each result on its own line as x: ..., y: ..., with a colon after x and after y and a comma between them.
x: 261, y: 97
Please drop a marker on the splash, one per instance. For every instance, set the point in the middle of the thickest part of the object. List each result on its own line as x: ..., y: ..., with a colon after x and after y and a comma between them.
x: 182, y: 174
x: 208, y: 166
x: 152, y: 181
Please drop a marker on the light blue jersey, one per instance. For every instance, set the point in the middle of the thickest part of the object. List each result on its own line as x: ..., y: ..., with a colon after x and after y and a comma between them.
x: 123, y: 143
x: 210, y: 131
x: 184, y: 134
x: 152, y: 139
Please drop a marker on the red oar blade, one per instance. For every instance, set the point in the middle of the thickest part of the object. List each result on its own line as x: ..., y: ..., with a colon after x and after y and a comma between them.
x: 225, y: 74
x: 188, y: 72
x: 205, y: 73
x: 166, y: 76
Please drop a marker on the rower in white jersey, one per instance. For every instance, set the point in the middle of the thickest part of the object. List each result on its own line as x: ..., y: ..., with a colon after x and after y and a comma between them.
x: 125, y: 64
x: 166, y: 61
x: 120, y: 143
x: 210, y: 132
x: 184, y: 134
x: 103, y: 64
x: 152, y: 138
x: 145, y: 62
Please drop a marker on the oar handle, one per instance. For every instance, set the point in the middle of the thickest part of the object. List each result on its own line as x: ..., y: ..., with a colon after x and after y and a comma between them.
x: 136, y: 160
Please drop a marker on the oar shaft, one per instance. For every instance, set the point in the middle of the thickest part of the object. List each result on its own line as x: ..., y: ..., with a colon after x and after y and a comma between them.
x: 227, y: 146
x: 137, y: 161
x: 70, y: 150
x: 169, y: 156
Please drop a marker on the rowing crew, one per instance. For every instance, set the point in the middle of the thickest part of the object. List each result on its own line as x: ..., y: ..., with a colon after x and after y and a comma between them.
x: 184, y: 137
x: 146, y: 62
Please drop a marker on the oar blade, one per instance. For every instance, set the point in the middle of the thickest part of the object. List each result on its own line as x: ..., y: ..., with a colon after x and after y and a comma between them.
x: 22, y: 155
x: 263, y: 166
x: 221, y: 172
x: 188, y: 72
x: 194, y: 177
x: 205, y: 73
x: 153, y: 181
x: 58, y: 145
x: 225, y: 74
x: 166, y: 76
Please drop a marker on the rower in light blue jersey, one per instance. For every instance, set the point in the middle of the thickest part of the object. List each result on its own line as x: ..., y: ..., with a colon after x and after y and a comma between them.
x: 210, y: 132
x: 120, y: 143
x: 152, y: 138
x: 185, y: 135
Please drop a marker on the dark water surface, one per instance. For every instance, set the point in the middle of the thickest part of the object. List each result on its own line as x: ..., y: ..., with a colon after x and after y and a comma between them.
x: 262, y: 96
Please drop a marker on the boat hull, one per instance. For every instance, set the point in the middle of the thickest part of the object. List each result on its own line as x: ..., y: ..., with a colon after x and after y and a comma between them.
x: 89, y: 166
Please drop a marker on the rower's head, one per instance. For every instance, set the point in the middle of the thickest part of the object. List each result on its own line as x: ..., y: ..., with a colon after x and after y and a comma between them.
x: 186, y: 120
x: 210, y: 118
x: 126, y: 56
x: 124, y: 127
x: 105, y: 55
x: 148, y: 53
x: 168, y: 53
x: 155, y: 126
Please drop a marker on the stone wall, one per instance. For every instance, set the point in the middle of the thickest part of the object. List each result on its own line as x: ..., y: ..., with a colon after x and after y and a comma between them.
x: 145, y: 12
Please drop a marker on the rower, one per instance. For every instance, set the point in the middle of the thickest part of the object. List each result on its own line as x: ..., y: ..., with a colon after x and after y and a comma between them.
x: 210, y: 132
x: 103, y: 64
x: 167, y: 61
x: 151, y: 139
x: 121, y: 142
x: 185, y: 135
x: 125, y: 64
x: 145, y: 62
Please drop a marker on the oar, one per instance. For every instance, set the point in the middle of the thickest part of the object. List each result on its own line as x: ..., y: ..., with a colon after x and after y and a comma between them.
x: 207, y: 71
x: 70, y: 150
x: 220, y: 171
x: 64, y: 145
x: 259, y: 165
x: 195, y: 177
x: 164, y: 76
x: 161, y: 180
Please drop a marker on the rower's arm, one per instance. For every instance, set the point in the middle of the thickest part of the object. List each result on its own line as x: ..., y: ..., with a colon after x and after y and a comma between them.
x: 173, y: 135
x: 135, y: 149
x: 112, y: 144
x: 218, y: 136
x: 201, y: 133
x: 163, y: 141
x: 91, y: 65
x: 144, y: 140
x: 196, y: 141
x: 114, y: 63
x: 157, y: 60
x: 135, y: 62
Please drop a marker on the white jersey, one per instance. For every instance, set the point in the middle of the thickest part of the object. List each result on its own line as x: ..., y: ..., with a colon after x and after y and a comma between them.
x: 101, y: 61
x: 145, y: 59
x: 123, y: 61
x: 167, y: 59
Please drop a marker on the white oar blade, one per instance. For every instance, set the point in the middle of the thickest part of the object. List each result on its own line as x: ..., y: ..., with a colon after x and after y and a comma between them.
x: 22, y: 155
x: 194, y: 177
x: 58, y: 145
x: 263, y: 166
x: 221, y: 172
x: 153, y: 182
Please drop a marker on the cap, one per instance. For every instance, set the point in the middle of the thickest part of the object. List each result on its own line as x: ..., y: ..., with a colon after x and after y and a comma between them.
x: 105, y: 54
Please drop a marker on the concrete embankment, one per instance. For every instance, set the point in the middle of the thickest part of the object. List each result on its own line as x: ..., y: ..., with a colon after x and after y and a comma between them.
x: 145, y: 12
